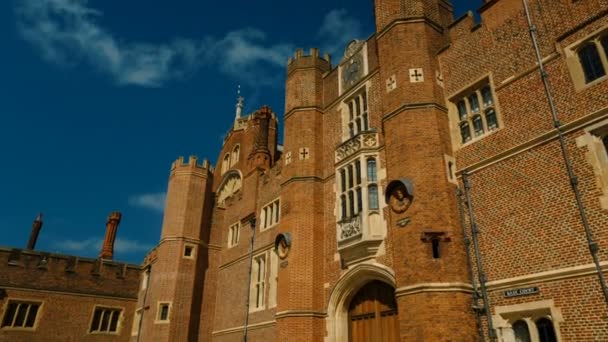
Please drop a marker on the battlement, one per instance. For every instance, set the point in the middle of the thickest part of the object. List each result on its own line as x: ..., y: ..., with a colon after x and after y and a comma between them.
x: 21, y: 268
x: 312, y: 60
x: 191, y: 164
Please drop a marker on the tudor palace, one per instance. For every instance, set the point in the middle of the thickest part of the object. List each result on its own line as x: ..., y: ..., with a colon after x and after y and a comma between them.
x: 446, y: 179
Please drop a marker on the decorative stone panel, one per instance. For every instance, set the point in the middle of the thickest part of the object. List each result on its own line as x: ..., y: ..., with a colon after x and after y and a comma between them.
x: 360, y: 142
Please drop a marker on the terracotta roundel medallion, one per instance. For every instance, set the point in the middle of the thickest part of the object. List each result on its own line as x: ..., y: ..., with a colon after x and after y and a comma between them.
x: 282, y: 245
x: 400, y: 200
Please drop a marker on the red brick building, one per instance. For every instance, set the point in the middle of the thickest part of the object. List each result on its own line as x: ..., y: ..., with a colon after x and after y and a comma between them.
x: 52, y: 297
x: 421, y: 194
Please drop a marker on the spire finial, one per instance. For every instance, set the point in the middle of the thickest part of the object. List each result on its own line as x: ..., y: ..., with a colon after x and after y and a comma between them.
x: 239, y: 103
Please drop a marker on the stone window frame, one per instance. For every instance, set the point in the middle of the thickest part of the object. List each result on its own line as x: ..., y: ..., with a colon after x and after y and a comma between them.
x: 145, y: 280
x: 21, y: 301
x: 234, y: 232
x: 360, y: 188
x: 119, y: 323
x: 597, y: 156
x: 157, y: 318
x: 226, y: 163
x: 450, y: 168
x: 356, y: 107
x: 274, y: 208
x: 236, y: 152
x: 483, y: 107
x: 192, y: 251
x: 137, y: 317
x: 259, y: 282
x: 273, y: 280
x: 574, y: 64
x: 507, y: 315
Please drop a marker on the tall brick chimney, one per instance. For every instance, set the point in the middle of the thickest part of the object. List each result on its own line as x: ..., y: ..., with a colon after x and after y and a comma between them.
x: 107, y: 250
x: 36, y: 226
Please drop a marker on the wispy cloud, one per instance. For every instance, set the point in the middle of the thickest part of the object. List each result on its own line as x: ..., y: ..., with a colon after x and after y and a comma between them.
x: 67, y: 32
x: 94, y: 244
x: 337, y: 29
x: 154, y: 201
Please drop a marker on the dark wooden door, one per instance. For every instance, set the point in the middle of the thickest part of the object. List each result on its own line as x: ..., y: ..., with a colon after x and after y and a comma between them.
x: 373, y: 314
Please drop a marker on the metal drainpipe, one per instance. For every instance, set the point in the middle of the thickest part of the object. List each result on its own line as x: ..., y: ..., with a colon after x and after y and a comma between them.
x: 252, y: 223
x: 482, y: 275
x: 593, y: 246
x: 467, y: 245
x: 143, y: 304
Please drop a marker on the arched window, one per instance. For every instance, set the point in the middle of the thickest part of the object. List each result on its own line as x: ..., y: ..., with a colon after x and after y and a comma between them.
x: 479, y: 117
x: 351, y: 203
x: 371, y: 170
x: 359, y: 200
x: 604, y: 41
x: 474, y: 103
x: 491, y: 119
x: 358, y: 118
x: 226, y: 163
x: 546, y: 332
x: 465, y: 132
x: 478, y: 125
x: 235, y: 155
x: 357, y: 194
x: 589, y: 57
x: 486, y: 94
x: 462, y: 110
x: 373, y: 196
x: 521, y: 332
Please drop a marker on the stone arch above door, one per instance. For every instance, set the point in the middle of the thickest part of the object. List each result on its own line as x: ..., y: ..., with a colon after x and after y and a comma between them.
x: 344, y: 291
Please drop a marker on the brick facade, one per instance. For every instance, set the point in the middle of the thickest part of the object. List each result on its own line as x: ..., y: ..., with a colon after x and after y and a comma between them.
x: 393, y: 100
x: 68, y: 290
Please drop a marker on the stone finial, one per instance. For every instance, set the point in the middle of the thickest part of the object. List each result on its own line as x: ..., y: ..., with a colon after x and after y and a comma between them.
x: 239, y: 104
x: 107, y: 250
x: 36, y: 226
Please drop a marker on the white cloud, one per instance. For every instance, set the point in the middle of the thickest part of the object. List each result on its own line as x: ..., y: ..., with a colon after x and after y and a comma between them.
x: 154, y: 201
x: 337, y: 30
x: 94, y: 244
x: 67, y: 32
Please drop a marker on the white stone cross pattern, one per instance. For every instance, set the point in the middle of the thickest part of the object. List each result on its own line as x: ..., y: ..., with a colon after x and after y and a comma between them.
x: 391, y: 83
x: 416, y: 75
x: 288, y: 158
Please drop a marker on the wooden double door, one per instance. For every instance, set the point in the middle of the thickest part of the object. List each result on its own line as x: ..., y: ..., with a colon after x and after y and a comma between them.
x: 373, y: 314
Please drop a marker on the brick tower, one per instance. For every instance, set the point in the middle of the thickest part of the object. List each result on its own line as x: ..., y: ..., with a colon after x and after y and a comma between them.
x: 296, y: 320
x: 172, y: 288
x: 428, y: 252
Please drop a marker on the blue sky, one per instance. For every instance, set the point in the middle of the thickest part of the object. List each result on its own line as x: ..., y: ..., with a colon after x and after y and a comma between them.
x: 98, y: 97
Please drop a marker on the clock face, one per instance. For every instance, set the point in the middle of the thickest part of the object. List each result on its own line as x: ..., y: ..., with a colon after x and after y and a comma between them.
x: 352, y: 71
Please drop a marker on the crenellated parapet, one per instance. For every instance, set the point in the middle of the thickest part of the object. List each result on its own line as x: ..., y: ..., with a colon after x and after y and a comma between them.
x: 304, y: 86
x: 313, y: 60
x: 191, y: 165
x: 27, y: 269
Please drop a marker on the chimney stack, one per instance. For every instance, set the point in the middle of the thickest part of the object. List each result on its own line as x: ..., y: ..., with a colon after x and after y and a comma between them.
x: 107, y: 251
x: 36, y: 226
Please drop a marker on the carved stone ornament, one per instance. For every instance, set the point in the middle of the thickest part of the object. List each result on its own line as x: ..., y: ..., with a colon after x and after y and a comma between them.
x: 354, y: 145
x: 400, y: 200
x: 282, y: 245
x: 230, y: 186
x: 352, y: 48
x: 350, y: 228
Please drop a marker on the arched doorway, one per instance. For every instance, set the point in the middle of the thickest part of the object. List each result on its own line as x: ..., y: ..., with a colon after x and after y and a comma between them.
x: 372, y: 314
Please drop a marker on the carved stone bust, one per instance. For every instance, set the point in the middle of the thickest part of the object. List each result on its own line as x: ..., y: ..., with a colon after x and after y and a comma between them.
x: 400, y: 200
